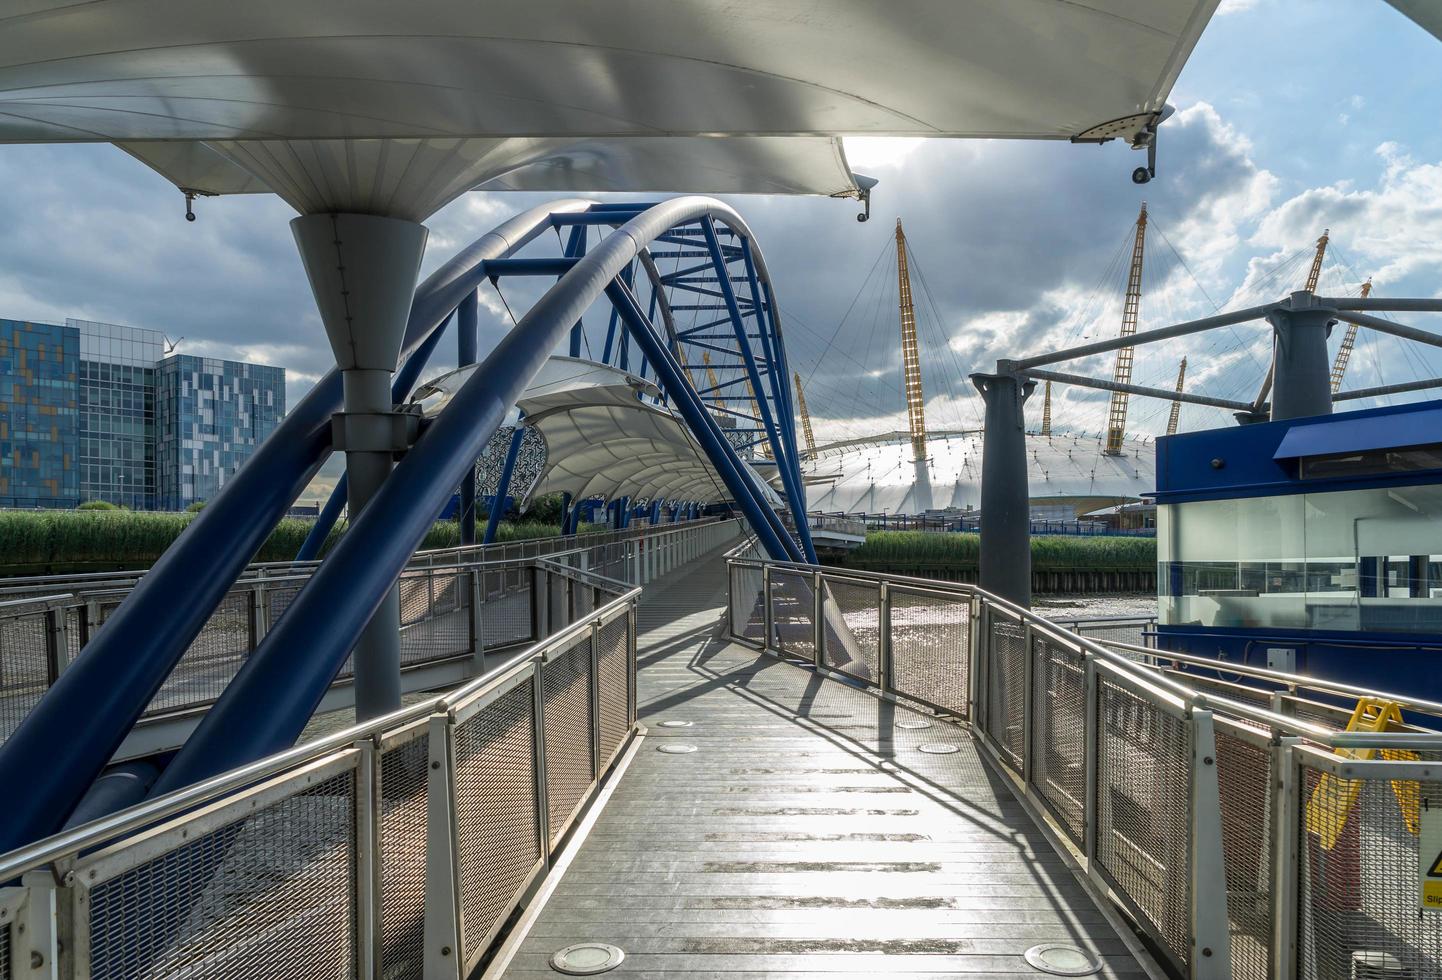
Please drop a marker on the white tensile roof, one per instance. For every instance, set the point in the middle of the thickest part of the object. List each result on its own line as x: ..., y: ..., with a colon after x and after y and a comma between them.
x: 601, y: 439
x: 876, y: 476
x: 544, y: 94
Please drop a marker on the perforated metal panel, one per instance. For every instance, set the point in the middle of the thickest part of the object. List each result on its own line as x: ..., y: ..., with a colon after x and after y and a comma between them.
x: 1144, y: 812
x: 24, y: 666
x: 851, y: 629
x: 6, y: 972
x: 930, y: 649
x: 494, y: 786
x: 403, y: 856
x: 278, y: 599
x: 1006, y: 691
x: 506, y: 614
x: 1361, y: 894
x: 1244, y: 780
x: 212, y: 658
x: 271, y: 895
x: 615, y: 685
x: 1059, y: 732
x: 792, y: 608
x: 748, y: 616
x: 566, y: 710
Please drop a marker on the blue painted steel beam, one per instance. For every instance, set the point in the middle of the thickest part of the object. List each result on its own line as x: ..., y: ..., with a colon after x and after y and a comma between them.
x: 128, y: 660
x: 769, y: 531
x: 277, y: 689
x: 575, y: 248
x: 593, y: 217
x: 468, y: 316
x: 503, y: 488
x: 793, y: 492
x: 543, y: 266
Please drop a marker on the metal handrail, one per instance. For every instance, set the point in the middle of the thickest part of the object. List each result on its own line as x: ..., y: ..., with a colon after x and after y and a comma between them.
x: 90, y: 835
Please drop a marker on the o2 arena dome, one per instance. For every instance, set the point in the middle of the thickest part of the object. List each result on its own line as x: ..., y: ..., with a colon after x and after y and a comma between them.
x: 1069, y: 474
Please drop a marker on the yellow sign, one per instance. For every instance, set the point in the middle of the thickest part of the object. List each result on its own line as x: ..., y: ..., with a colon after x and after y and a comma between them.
x: 1429, y: 858
x: 1334, y: 798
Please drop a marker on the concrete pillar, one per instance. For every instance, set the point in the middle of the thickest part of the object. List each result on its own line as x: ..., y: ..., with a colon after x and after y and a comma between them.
x: 1301, y: 370
x: 1005, y: 509
x: 362, y: 269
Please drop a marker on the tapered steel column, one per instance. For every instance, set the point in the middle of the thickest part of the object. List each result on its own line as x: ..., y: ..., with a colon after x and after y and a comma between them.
x: 1301, y: 371
x: 362, y: 270
x: 1005, y: 494
x: 467, y: 318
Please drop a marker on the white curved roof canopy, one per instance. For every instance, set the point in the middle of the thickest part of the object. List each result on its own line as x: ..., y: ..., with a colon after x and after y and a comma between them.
x: 875, y: 476
x: 543, y: 94
x: 601, y: 439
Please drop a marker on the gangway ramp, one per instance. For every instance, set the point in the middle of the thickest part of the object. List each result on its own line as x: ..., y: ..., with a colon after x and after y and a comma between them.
x: 808, y: 834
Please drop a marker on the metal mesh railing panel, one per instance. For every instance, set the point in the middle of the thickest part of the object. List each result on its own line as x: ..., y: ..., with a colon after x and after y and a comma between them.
x: 271, y: 895
x: 931, y: 649
x: 1058, y: 753
x: 435, y: 623
x: 566, y: 711
x: 414, y: 590
x: 792, y: 608
x: 279, y: 598
x: 495, y: 790
x: 24, y: 667
x: 748, y: 615
x: 558, y: 607
x: 6, y: 971
x: 1006, y: 690
x: 1358, y: 903
x: 851, y: 629
x: 1104, y: 631
x: 506, y: 613
x: 1244, y: 781
x: 403, y: 857
x: 211, y: 660
x: 1144, y: 811
x: 615, y: 685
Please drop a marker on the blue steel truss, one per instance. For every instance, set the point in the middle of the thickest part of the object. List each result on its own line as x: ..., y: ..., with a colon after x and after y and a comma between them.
x: 715, y: 297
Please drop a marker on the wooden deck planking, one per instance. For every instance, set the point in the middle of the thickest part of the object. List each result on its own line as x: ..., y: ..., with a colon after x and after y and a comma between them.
x: 807, y: 836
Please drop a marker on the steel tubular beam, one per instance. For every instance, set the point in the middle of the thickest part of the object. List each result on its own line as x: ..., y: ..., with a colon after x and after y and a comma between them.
x: 1381, y: 303
x: 129, y: 659
x: 1387, y: 326
x: 1396, y: 389
x: 1166, y: 393
x: 493, y: 519
x: 467, y: 325
x: 1145, y: 337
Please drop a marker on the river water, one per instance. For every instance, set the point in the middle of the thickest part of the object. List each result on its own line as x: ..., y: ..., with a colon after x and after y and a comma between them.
x: 1062, y: 606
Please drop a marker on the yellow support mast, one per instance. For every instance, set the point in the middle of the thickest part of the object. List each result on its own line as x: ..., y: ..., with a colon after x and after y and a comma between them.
x: 910, y: 352
x: 1349, y: 340
x: 1176, y: 415
x: 1131, y: 310
x: 805, y: 415
x: 1046, y: 412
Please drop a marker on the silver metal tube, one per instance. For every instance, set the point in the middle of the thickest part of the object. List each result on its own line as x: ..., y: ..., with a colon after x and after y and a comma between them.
x: 1381, y: 390
x: 1145, y: 337
x: 1163, y: 393
x: 1387, y: 326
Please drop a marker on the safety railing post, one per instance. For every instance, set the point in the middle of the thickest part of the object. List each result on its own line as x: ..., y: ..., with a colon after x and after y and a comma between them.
x: 768, y: 621
x: 540, y: 589
x: 538, y: 723
x: 973, y: 653
x: 262, y: 611
x: 443, y: 910
x: 883, y: 644
x: 594, y: 642
x: 1092, y: 735
x: 57, y: 649
x: 1286, y: 841
x: 475, y: 582
x: 1028, y: 699
x: 631, y: 628
x: 367, y: 859
x: 1211, y: 955
x: 818, y: 619
x: 36, y: 946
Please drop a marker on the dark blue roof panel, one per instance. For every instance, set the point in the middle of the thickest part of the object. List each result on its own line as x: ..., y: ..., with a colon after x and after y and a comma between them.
x: 1362, y: 433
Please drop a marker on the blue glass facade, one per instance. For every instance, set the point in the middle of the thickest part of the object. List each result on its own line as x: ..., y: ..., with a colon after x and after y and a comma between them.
x: 211, y: 416
x: 96, y: 411
x: 38, y: 409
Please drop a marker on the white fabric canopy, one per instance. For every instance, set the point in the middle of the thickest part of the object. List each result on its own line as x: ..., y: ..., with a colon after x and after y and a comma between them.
x: 568, y: 80
x: 602, y: 440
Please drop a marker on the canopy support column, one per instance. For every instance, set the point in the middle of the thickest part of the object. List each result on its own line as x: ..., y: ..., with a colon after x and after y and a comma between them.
x: 1005, y: 495
x: 1301, y: 375
x: 467, y: 322
x: 503, y: 488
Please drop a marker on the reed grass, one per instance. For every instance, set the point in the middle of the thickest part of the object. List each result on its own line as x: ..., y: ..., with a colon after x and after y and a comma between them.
x: 908, y: 550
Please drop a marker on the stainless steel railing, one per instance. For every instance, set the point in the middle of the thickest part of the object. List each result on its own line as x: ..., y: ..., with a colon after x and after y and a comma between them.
x: 1243, y: 834
x: 397, y: 848
x: 455, y: 609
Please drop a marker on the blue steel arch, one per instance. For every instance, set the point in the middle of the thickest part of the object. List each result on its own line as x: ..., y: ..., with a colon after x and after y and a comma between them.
x: 131, y: 656
x: 273, y: 695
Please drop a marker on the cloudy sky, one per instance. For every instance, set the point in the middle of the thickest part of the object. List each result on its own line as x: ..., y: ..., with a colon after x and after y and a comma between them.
x: 1293, y: 116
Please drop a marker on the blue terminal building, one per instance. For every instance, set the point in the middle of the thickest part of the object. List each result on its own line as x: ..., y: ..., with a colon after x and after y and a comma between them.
x: 1310, y: 545
x: 39, y: 406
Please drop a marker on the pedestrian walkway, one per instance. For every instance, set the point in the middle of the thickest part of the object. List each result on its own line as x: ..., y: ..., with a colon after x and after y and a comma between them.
x: 809, y: 834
